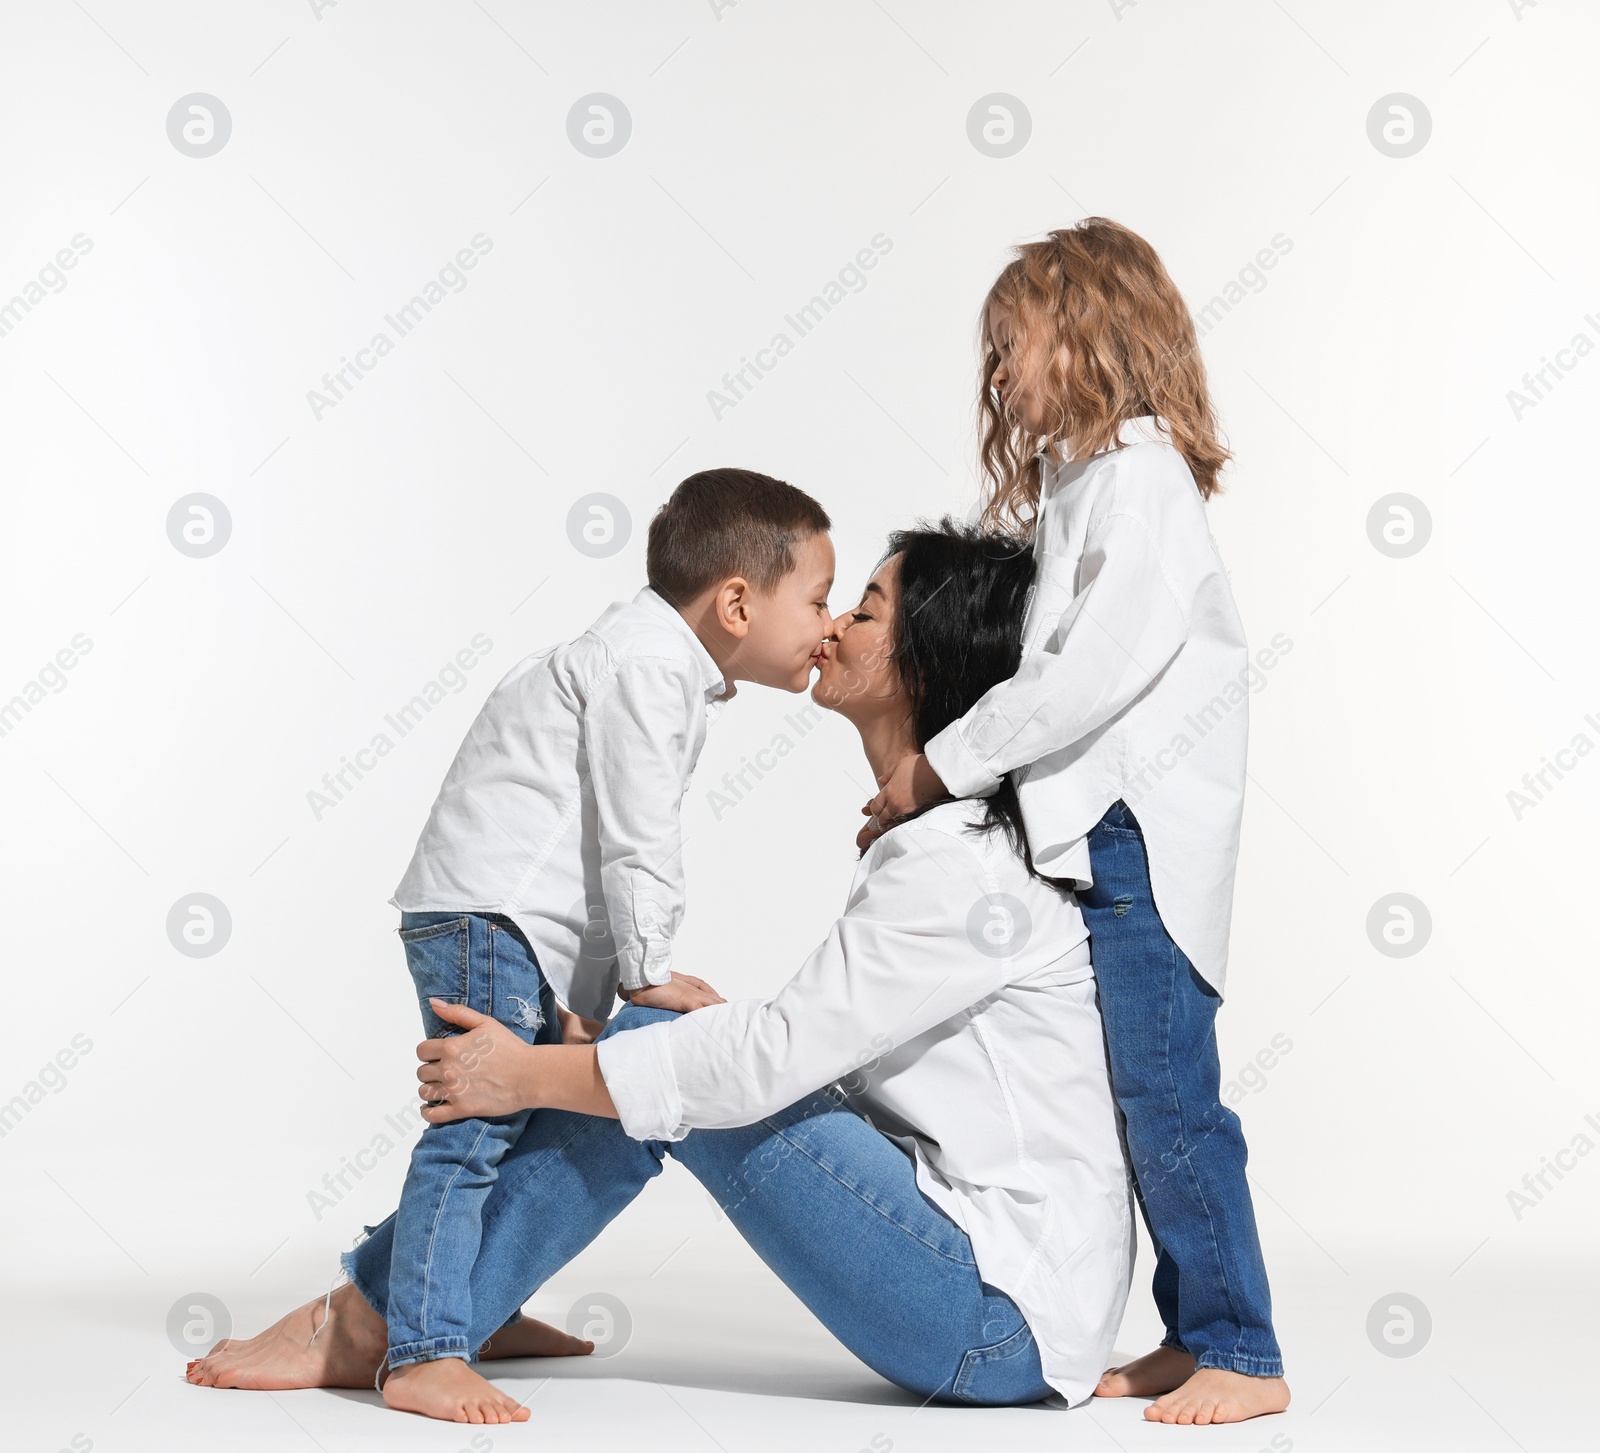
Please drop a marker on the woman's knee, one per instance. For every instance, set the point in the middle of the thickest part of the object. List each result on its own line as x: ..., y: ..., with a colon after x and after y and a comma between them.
x: 635, y: 1016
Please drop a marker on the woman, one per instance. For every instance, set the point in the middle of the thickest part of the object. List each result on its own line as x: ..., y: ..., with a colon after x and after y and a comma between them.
x: 972, y: 1241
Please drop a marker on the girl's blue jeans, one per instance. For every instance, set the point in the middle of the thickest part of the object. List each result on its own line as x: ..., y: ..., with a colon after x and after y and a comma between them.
x: 831, y: 1205
x: 1186, y: 1147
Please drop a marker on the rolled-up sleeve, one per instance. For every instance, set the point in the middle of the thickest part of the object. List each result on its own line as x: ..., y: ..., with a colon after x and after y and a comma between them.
x: 637, y: 1068
x: 904, y: 957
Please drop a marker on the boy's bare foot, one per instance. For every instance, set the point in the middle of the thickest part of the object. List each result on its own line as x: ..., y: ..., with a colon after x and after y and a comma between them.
x: 348, y: 1348
x: 528, y: 1338
x: 1148, y: 1376
x: 1186, y: 1394
x: 447, y: 1388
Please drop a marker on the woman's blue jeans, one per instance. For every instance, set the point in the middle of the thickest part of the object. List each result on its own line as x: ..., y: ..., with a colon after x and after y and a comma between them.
x: 1187, y: 1149
x: 831, y: 1205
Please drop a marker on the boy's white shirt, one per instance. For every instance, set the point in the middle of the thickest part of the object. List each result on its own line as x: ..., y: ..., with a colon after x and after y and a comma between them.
x: 987, y: 1067
x: 1134, y: 684
x: 562, y: 808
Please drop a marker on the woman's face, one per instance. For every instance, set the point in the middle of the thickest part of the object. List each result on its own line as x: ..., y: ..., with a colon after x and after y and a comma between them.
x: 856, y: 676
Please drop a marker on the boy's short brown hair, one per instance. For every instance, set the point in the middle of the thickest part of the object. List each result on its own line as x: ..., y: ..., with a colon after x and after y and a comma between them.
x: 724, y: 522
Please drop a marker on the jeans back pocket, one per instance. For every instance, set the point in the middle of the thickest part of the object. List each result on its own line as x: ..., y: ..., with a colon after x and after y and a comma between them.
x: 1002, y: 1375
x: 439, y: 956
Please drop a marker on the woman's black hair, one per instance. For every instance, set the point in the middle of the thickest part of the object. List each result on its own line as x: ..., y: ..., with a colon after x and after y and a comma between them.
x: 957, y: 631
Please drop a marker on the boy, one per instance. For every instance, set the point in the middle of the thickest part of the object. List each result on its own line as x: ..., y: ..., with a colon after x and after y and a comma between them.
x: 566, y: 794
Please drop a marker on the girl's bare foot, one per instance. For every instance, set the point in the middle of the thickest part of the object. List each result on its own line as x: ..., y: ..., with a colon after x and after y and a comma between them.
x: 1148, y: 1376
x: 447, y: 1388
x: 1215, y: 1396
x: 1186, y: 1394
x: 346, y: 1351
x: 528, y: 1338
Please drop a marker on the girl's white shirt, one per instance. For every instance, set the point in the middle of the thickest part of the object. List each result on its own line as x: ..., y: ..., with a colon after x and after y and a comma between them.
x: 955, y: 1003
x: 1135, y: 684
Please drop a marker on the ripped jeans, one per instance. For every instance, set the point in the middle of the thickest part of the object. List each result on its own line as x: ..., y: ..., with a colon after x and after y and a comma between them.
x: 483, y: 962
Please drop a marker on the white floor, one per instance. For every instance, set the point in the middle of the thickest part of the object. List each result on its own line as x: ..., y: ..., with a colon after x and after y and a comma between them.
x: 720, y: 1357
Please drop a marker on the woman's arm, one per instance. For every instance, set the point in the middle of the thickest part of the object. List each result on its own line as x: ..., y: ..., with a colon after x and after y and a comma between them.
x: 486, y: 1071
x: 924, y: 937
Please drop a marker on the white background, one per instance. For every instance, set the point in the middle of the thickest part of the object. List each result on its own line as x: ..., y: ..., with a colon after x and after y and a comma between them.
x: 770, y: 142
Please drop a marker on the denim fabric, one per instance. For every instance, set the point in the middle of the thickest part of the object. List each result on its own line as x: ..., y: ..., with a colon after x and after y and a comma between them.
x: 483, y: 962
x: 826, y: 1201
x: 1187, y: 1149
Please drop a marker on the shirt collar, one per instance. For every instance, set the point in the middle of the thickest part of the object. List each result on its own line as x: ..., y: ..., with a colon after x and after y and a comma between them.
x: 711, y: 678
x: 1144, y: 429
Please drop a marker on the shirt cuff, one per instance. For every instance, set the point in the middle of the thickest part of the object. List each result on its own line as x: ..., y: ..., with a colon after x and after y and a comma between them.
x: 641, y: 964
x: 961, y: 772
x: 636, y: 1065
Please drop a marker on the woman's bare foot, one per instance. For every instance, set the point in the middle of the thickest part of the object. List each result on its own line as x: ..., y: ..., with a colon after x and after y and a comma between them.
x: 447, y: 1388
x: 346, y: 1351
x: 1193, y: 1395
x: 1215, y: 1396
x: 1148, y: 1376
x: 528, y: 1338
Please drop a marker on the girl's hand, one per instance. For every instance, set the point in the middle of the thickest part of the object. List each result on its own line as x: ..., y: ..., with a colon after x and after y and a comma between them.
x: 479, y: 1073
x: 911, y: 783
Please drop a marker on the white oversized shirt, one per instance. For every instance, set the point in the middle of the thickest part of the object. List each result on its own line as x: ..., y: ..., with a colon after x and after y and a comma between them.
x: 561, y: 809
x: 956, y: 1001
x: 1135, y: 683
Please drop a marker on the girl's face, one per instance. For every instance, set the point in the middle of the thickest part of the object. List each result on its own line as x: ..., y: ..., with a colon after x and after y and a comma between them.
x: 856, y: 676
x: 1017, y: 375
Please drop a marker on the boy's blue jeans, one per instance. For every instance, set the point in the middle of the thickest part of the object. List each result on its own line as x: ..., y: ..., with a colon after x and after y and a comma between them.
x: 483, y: 962
x: 831, y: 1205
x: 1187, y: 1149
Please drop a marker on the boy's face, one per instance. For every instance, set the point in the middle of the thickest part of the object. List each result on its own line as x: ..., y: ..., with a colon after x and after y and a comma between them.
x: 788, y: 623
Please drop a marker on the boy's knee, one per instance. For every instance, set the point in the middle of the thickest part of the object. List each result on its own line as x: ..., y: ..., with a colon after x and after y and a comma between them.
x: 636, y: 1016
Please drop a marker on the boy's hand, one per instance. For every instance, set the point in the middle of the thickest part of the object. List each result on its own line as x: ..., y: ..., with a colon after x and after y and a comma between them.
x: 682, y: 992
x: 575, y: 1029
x: 911, y: 783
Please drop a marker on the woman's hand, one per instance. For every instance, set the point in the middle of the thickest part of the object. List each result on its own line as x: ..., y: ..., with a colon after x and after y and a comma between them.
x: 911, y: 783
x: 480, y: 1072
x: 487, y: 1071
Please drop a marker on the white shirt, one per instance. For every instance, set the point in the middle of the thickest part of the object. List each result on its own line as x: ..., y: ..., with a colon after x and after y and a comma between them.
x: 1135, y: 683
x: 984, y: 1059
x: 562, y: 807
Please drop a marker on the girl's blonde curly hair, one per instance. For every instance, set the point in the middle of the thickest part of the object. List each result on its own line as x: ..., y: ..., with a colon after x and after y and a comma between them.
x: 1105, y: 336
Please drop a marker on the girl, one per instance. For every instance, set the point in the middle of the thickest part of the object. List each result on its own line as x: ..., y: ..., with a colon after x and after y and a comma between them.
x: 1125, y: 731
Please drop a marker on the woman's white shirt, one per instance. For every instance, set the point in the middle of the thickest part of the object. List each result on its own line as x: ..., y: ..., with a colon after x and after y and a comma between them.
x: 1134, y: 684
x: 955, y: 1000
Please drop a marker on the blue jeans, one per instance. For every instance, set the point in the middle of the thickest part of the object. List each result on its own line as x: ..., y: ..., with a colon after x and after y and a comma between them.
x: 1187, y: 1149
x: 483, y: 962
x: 826, y: 1201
